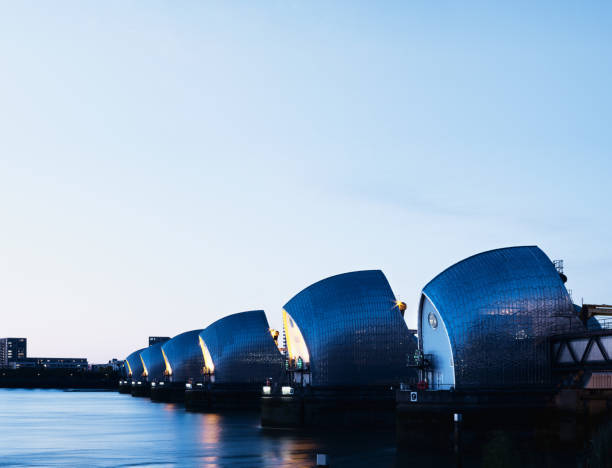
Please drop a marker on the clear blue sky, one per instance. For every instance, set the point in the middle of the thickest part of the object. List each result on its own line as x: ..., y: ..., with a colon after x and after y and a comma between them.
x: 163, y: 164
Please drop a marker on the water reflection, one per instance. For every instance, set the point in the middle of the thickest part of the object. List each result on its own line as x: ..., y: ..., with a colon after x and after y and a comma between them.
x: 210, y: 429
x: 50, y: 428
x: 284, y: 448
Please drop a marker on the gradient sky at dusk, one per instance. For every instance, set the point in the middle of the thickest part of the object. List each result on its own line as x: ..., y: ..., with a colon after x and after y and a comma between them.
x: 163, y: 164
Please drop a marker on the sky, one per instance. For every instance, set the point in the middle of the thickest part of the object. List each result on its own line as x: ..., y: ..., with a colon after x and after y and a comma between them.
x: 163, y: 164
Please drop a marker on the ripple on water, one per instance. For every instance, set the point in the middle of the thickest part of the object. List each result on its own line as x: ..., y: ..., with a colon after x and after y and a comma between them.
x: 108, y: 429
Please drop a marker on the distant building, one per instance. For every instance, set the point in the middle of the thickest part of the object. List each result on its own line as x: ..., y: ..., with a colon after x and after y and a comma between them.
x: 12, y: 349
x: 153, y: 340
x: 50, y: 363
x: 113, y: 365
x: 13, y: 354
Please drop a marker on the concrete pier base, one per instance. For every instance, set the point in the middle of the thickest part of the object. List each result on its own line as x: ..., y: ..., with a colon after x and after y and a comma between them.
x: 426, y: 419
x: 125, y: 386
x: 330, y: 407
x: 198, y: 399
x: 218, y: 397
x: 142, y: 390
x: 540, y: 420
x: 168, y: 392
x: 282, y: 411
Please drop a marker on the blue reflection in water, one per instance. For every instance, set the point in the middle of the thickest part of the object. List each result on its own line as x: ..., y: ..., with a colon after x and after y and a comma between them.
x: 56, y: 428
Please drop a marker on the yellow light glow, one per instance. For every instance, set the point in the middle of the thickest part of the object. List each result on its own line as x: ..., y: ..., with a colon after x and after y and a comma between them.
x: 296, y: 346
x: 129, y: 367
x: 400, y: 305
x: 275, y: 334
x: 168, y: 367
x: 145, y: 372
x: 209, y: 366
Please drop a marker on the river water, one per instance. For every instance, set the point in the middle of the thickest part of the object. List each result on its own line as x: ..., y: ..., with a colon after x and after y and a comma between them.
x: 91, y: 429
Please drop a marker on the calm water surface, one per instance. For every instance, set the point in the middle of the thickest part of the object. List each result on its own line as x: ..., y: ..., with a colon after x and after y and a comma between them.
x: 58, y: 428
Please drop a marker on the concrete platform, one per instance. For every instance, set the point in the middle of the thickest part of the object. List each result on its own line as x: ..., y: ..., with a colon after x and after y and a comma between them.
x: 426, y: 419
x: 219, y: 397
x: 330, y: 407
x: 168, y: 392
x: 142, y: 389
x: 125, y: 386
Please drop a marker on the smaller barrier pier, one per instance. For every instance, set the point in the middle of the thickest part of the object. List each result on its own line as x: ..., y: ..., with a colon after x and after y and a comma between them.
x: 125, y: 386
x: 168, y: 392
x: 141, y: 388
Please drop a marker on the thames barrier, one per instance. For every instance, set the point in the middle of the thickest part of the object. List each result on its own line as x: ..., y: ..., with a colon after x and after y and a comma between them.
x: 500, y: 345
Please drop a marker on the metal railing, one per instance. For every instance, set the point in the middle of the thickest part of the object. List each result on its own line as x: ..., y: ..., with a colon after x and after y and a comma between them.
x: 575, y: 326
x: 605, y: 323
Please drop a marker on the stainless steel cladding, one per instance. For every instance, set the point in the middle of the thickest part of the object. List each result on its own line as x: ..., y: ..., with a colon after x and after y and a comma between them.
x: 134, y: 364
x: 153, y: 362
x: 239, y: 348
x: 349, y: 331
x: 183, y: 355
x: 484, y: 321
